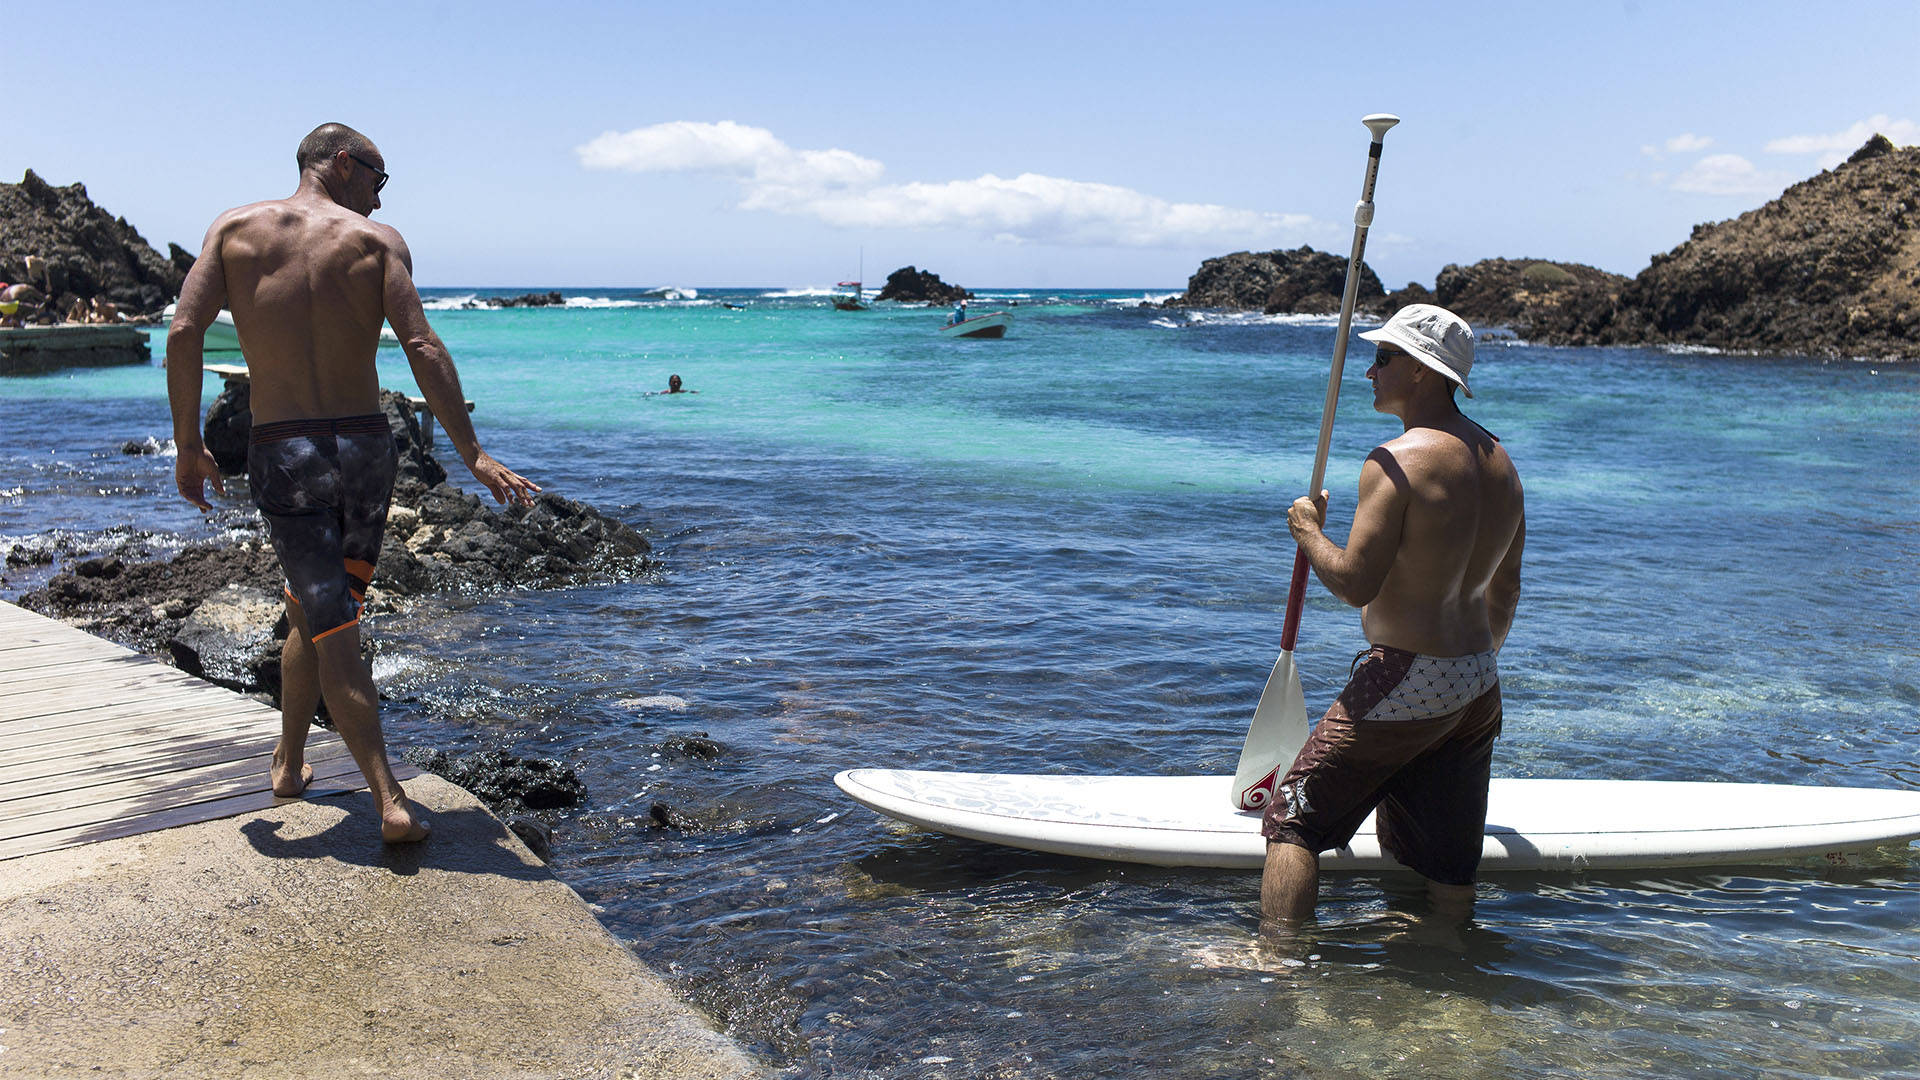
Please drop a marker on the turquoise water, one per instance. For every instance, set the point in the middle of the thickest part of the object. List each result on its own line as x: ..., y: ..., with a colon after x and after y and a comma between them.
x: 1065, y: 551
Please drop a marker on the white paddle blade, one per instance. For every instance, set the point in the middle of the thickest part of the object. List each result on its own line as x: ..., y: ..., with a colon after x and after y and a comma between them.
x: 1274, y: 739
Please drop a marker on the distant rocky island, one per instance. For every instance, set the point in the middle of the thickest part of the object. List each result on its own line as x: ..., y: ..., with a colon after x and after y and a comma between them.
x: 1831, y: 267
x: 909, y: 285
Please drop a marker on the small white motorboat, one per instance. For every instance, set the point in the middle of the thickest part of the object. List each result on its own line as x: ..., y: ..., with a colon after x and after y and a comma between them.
x: 848, y: 297
x: 992, y: 325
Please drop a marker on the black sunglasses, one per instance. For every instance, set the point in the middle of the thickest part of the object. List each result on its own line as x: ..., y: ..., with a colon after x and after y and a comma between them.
x: 377, y: 171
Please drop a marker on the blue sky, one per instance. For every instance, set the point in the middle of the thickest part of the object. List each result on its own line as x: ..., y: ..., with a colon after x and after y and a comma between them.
x: 1053, y: 145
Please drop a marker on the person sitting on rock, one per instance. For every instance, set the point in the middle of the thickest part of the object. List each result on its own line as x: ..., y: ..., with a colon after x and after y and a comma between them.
x: 102, y: 310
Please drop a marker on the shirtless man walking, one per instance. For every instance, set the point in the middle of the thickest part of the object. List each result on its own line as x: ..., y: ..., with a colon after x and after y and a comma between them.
x: 309, y: 280
x: 1433, y: 562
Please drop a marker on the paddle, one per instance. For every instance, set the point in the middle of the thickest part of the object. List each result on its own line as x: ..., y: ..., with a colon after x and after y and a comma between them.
x: 1279, y: 726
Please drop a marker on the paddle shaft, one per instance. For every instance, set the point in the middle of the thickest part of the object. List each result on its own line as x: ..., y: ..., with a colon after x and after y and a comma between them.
x: 1377, y: 123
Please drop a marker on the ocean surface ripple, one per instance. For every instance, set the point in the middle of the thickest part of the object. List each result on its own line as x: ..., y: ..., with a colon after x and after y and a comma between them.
x: 1066, y: 552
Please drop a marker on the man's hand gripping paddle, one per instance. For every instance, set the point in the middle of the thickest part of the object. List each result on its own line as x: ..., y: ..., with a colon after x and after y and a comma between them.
x: 1279, y: 725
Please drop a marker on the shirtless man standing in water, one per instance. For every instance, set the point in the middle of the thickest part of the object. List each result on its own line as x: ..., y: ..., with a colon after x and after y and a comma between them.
x: 309, y: 280
x: 1433, y: 562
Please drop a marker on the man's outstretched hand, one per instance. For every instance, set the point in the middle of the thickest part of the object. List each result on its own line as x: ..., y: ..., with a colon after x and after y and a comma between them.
x: 192, y: 471
x: 506, y: 485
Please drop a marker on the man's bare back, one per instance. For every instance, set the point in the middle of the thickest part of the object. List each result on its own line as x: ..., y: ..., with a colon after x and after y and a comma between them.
x: 305, y: 281
x: 1461, y: 510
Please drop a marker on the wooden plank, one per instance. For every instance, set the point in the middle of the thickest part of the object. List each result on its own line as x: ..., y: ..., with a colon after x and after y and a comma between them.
x: 116, y: 766
x: 336, y: 781
x: 234, y: 727
x: 26, y: 733
x: 79, y: 789
x: 24, y: 737
x: 60, y: 656
x: 113, y: 752
x: 41, y: 679
x: 97, y: 741
x: 92, y: 832
x: 89, y: 832
x: 68, y: 700
x: 206, y: 783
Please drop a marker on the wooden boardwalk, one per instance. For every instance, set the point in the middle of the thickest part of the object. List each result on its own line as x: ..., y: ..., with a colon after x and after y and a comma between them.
x: 97, y: 741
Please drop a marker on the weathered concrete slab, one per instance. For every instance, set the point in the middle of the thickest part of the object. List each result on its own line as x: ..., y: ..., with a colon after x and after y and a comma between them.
x: 290, y: 942
x: 36, y: 349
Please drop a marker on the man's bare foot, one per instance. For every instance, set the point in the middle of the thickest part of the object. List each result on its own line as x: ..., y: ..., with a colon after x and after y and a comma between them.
x: 400, y: 823
x: 285, y: 783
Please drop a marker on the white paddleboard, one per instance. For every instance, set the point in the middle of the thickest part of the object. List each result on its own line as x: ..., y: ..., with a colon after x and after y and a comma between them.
x: 1531, y: 824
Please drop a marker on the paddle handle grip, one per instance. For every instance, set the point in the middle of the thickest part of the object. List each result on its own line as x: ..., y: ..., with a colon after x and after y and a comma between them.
x: 1296, y: 599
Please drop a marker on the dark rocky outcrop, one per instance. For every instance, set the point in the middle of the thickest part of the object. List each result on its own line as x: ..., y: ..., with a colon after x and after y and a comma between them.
x: 1298, y: 282
x: 1830, y: 267
x: 545, y: 299
x: 912, y: 286
x: 88, y: 252
x: 505, y: 782
x: 1565, y: 303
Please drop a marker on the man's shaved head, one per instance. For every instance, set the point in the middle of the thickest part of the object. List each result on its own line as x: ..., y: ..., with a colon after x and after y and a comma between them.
x: 323, y: 142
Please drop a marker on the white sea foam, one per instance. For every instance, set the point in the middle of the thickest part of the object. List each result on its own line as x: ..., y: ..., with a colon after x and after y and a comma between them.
x: 668, y: 702
x: 1143, y: 300
x: 1249, y: 318
x: 604, y: 302
x: 804, y: 290
x: 453, y: 303
x: 671, y: 292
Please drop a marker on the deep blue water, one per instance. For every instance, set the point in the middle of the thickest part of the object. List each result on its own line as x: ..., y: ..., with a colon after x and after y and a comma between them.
x: 1066, y: 551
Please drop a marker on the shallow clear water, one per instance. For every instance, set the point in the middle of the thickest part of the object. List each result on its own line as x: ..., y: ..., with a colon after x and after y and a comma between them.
x: 1066, y: 551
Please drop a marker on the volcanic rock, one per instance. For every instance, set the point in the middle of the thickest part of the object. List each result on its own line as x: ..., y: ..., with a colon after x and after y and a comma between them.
x: 911, y: 286
x: 1831, y: 267
x: 1303, y: 281
x: 233, y: 639
x: 546, y: 299
x: 87, y: 251
x: 505, y: 782
x: 1564, y: 303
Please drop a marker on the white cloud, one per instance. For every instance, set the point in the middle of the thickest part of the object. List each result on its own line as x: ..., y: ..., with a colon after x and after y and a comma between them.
x: 1730, y: 174
x: 1836, y: 147
x: 843, y: 188
x: 1685, y: 143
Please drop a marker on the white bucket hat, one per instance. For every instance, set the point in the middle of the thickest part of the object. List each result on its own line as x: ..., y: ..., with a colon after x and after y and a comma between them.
x: 1432, y: 335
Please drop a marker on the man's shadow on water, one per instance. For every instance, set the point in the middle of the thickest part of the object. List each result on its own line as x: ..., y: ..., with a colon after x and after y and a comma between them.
x: 466, y: 841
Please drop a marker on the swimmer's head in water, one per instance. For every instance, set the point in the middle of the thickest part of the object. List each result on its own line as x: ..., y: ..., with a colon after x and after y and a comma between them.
x: 673, y: 383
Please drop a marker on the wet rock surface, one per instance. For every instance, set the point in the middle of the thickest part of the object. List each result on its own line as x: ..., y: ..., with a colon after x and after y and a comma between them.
x: 233, y: 638
x: 506, y: 782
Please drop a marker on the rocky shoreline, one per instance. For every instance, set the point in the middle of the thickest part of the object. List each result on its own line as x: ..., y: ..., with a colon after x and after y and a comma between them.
x: 1830, y: 268
x: 215, y: 610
